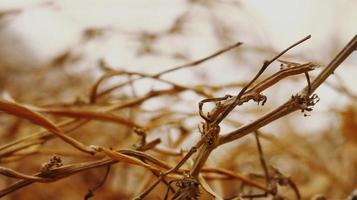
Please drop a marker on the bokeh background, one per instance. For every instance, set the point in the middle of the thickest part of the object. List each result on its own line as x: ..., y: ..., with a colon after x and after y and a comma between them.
x: 52, y: 52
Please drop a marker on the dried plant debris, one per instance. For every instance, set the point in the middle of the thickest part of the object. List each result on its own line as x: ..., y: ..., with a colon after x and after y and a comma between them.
x: 111, y: 129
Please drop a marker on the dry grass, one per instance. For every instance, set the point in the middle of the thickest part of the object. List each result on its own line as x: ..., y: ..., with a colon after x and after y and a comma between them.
x: 104, y: 143
x: 110, y: 147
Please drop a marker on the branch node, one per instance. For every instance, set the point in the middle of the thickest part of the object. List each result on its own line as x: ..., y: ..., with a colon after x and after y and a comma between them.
x: 54, y: 162
x: 305, y: 102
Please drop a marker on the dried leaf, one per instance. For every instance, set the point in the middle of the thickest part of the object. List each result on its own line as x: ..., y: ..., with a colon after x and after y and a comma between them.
x: 93, y: 115
x: 124, y: 158
x: 23, y: 112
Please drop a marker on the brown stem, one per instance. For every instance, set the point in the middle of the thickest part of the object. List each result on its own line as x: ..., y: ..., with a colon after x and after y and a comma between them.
x: 291, y: 105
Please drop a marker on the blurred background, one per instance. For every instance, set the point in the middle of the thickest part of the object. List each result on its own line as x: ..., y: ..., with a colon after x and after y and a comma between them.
x: 53, y: 52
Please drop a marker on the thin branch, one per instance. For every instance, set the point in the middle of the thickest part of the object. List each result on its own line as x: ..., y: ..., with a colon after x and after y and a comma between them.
x: 172, y: 69
x: 291, y: 105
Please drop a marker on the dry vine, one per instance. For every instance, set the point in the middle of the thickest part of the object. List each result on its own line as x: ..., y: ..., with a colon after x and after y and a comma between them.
x: 189, y: 179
